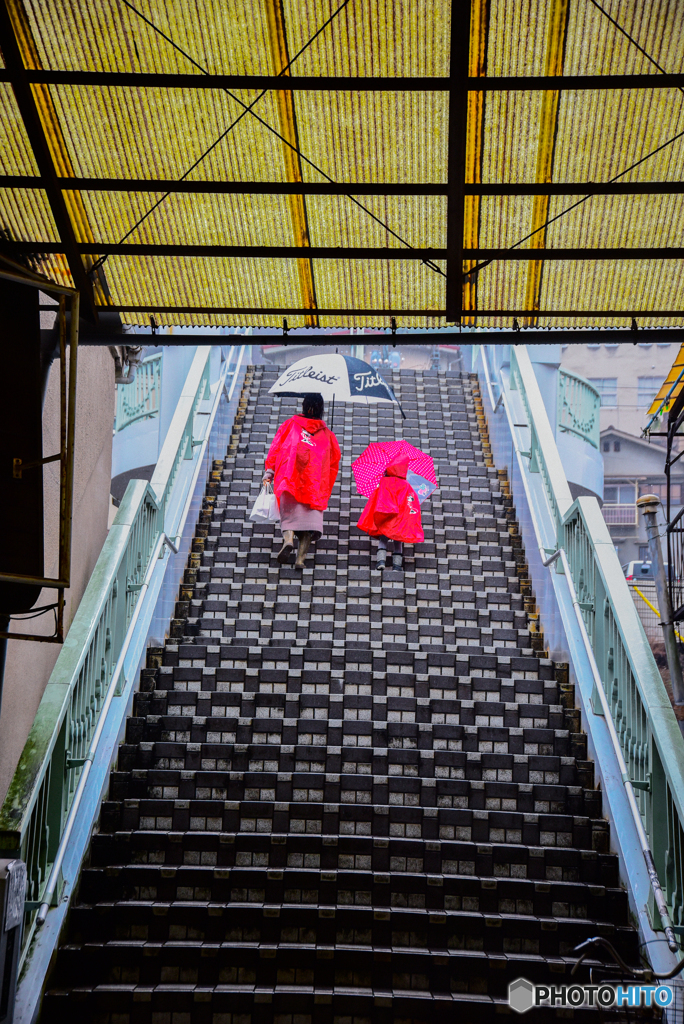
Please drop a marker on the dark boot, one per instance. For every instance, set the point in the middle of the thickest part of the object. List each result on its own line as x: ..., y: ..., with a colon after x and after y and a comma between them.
x: 397, y: 562
x: 288, y: 545
x: 304, y: 541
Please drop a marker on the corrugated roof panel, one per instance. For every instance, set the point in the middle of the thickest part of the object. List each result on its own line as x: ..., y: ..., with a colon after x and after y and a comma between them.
x: 180, y: 281
x: 16, y: 155
x: 376, y: 37
x: 517, y: 37
x: 504, y: 220
x: 594, y: 46
x: 104, y: 35
x: 190, y: 219
x: 54, y: 267
x: 337, y: 220
x: 510, y: 138
x: 26, y: 215
x: 375, y: 284
x: 617, y: 221
x: 374, y: 137
x: 594, y: 143
x: 354, y: 137
x: 419, y: 322
x: 501, y: 285
x: 631, y: 285
x: 149, y: 133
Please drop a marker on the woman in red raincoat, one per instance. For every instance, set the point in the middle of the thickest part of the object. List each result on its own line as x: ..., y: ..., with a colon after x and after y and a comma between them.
x: 302, y: 462
x: 392, y: 513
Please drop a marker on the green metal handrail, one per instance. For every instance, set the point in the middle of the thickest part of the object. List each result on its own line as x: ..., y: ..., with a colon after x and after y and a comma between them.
x: 35, y: 809
x: 579, y: 405
x: 648, y: 732
x: 140, y: 400
x: 522, y: 378
x: 650, y: 738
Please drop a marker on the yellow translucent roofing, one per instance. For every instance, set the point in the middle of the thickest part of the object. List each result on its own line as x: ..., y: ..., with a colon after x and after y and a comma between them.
x: 671, y: 386
x: 371, y: 180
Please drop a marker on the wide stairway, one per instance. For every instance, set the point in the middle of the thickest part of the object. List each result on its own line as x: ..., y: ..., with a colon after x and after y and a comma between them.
x: 346, y: 797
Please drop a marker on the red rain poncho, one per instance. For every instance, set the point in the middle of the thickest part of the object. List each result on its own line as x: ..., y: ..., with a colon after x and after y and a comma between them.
x: 393, y: 510
x: 305, y: 456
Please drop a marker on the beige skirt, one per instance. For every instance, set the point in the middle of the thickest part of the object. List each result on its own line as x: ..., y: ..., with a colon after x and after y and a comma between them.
x: 298, y: 517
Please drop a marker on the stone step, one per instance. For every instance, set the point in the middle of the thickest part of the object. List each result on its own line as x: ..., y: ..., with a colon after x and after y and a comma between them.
x: 505, y: 896
x: 345, y: 796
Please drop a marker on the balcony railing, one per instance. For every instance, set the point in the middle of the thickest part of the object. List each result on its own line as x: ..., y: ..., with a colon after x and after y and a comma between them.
x: 141, y: 399
x: 620, y: 515
x: 579, y: 405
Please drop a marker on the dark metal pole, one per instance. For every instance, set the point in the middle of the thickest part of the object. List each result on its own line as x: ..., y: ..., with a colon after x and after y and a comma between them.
x: 4, y: 628
x: 649, y: 505
x: 458, y: 124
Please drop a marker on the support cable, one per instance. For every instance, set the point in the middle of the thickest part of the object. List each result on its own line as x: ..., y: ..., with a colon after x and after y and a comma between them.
x: 248, y: 109
x: 610, y: 181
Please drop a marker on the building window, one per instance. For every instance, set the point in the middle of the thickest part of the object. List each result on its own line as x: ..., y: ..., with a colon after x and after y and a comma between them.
x: 616, y: 446
x: 647, y: 389
x: 606, y: 446
x: 643, y: 553
x: 660, y: 490
x: 619, y: 494
x: 607, y: 388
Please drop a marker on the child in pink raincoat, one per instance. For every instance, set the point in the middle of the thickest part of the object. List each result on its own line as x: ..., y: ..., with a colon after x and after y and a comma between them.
x: 392, y: 514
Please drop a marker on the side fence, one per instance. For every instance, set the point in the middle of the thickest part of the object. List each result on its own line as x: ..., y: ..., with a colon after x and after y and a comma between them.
x: 141, y: 399
x: 104, y: 647
x: 591, y: 622
x: 579, y: 407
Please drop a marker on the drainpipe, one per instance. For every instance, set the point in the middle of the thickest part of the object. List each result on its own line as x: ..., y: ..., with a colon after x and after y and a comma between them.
x: 125, y: 354
x: 649, y: 505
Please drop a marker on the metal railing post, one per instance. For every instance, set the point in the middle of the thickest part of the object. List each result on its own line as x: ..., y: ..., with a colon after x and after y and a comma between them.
x: 649, y: 505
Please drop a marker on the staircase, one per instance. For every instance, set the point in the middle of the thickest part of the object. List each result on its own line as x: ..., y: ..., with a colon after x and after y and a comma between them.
x: 346, y: 798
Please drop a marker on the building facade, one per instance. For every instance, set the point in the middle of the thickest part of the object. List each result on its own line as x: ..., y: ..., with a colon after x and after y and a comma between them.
x: 628, y: 377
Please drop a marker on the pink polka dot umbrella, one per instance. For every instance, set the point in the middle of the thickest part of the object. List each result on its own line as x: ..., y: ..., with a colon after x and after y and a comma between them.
x: 370, y: 467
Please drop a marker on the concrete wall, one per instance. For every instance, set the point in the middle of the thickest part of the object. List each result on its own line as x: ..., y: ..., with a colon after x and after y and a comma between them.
x: 29, y: 664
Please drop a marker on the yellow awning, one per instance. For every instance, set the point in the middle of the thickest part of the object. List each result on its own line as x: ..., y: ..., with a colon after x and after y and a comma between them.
x: 659, y: 404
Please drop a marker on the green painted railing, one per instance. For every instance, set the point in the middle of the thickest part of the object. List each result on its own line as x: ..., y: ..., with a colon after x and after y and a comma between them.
x: 650, y: 738
x: 140, y: 400
x: 579, y: 405
x: 541, y: 436
x: 647, y: 730
x: 35, y: 810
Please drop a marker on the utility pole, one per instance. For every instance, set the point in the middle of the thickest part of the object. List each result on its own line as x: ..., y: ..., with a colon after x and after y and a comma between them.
x: 649, y: 505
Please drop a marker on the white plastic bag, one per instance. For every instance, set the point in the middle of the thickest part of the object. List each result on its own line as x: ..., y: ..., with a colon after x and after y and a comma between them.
x: 265, y: 507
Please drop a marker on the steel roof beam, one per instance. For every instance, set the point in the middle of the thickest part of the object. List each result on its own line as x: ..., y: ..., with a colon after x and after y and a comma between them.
x: 458, y: 125
x: 388, y: 312
x: 572, y: 188
x: 351, y: 253
x: 530, y: 336
x: 17, y: 75
x: 323, y: 83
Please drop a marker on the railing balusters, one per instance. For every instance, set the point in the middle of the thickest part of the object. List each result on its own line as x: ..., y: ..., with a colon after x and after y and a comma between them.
x: 579, y: 405
x: 141, y: 399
